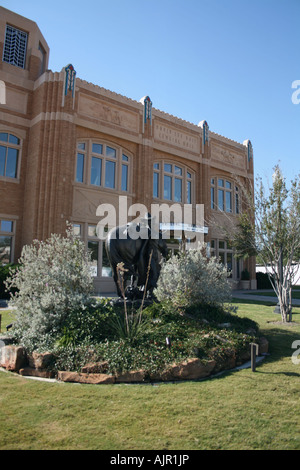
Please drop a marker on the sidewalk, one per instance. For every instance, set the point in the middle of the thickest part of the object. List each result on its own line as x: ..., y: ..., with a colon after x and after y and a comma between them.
x: 257, y: 295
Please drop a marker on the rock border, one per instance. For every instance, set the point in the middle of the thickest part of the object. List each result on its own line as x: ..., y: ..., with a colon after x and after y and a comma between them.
x: 14, y: 359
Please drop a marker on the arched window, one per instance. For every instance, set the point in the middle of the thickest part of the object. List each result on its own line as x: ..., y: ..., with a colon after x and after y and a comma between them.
x: 172, y: 182
x: 10, y: 146
x: 224, y: 195
x: 102, y: 165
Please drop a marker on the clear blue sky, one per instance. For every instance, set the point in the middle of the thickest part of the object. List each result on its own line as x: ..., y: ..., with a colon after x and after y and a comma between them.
x: 231, y: 62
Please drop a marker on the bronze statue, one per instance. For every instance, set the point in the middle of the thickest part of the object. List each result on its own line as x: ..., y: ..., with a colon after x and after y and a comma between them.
x: 139, y: 255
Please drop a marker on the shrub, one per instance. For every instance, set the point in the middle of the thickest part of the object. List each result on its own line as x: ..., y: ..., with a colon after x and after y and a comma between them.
x: 53, y: 281
x: 190, y: 277
x: 263, y: 281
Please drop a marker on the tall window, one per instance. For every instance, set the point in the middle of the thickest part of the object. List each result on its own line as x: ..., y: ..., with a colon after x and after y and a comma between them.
x: 223, y: 250
x: 172, y: 182
x: 102, y: 165
x: 224, y: 196
x: 9, y: 155
x: 100, y: 266
x: 125, y: 165
x: 14, y: 51
x: 6, y: 241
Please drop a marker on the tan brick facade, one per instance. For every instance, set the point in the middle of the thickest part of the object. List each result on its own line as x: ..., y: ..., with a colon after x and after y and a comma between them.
x: 50, y: 116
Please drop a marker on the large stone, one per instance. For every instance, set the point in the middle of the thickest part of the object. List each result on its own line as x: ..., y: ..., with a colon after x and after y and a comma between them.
x: 13, y: 358
x: 31, y: 372
x: 192, y: 369
x: 5, y: 340
x: 131, y: 376
x: 83, y: 378
x: 186, y: 370
x: 40, y: 360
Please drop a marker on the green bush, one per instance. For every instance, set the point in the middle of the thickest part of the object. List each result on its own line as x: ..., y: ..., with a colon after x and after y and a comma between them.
x: 263, y: 281
x: 190, y: 277
x: 53, y: 283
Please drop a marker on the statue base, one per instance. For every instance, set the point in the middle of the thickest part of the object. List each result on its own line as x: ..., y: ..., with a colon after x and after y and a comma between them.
x: 134, y: 298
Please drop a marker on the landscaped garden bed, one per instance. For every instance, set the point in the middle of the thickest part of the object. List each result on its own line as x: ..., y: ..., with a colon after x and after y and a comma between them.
x: 166, y: 344
x: 190, y: 331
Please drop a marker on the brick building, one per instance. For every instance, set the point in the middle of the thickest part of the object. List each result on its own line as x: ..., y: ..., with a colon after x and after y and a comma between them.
x: 68, y: 146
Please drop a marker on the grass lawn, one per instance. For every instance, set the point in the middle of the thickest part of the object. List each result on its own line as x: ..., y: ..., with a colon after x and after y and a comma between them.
x: 237, y: 410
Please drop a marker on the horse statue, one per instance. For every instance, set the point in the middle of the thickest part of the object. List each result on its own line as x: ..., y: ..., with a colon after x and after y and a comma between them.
x: 139, y: 255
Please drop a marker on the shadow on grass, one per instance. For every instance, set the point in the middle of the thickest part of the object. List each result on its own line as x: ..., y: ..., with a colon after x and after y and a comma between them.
x: 236, y: 300
x: 287, y: 374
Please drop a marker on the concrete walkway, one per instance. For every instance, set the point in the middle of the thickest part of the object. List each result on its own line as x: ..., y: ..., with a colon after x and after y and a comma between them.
x: 257, y: 295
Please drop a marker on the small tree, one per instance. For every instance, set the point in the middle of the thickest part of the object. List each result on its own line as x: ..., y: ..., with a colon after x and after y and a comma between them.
x: 270, y: 229
x: 52, y: 281
x: 190, y: 277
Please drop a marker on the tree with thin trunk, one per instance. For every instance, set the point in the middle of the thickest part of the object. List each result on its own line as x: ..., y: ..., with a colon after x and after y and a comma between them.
x: 269, y: 227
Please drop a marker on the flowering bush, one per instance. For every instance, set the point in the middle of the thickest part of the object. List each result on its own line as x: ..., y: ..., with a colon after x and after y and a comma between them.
x: 53, y: 281
x: 190, y: 277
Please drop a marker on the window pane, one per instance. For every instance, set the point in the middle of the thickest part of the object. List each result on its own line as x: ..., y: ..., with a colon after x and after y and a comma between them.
x: 167, y: 187
x: 189, y: 175
x: 2, y: 160
x: 221, y: 199
x: 11, y: 163
x: 92, y: 231
x: 13, y: 139
x: 124, y: 183
x: 212, y: 181
x: 77, y: 230
x: 97, y: 148
x: 228, y: 185
x: 212, y: 198
x: 110, y: 174
x: 168, y: 167
x: 96, y: 171
x: 106, y: 268
x: 178, y: 170
x: 79, y: 168
x: 221, y: 183
x: 155, y: 184
x: 93, y: 248
x: 3, y: 137
x: 178, y: 190
x: 124, y: 158
x: 110, y: 152
x: 6, y: 226
x: 81, y: 146
x: 189, y: 192
x: 237, y: 209
x: 156, y: 166
x: 222, y: 257
x: 5, y: 250
x: 228, y: 202
x: 14, y: 51
x: 229, y: 263
x: 221, y: 245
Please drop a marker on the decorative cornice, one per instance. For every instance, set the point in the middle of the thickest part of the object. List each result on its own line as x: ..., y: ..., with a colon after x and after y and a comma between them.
x: 80, y: 83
